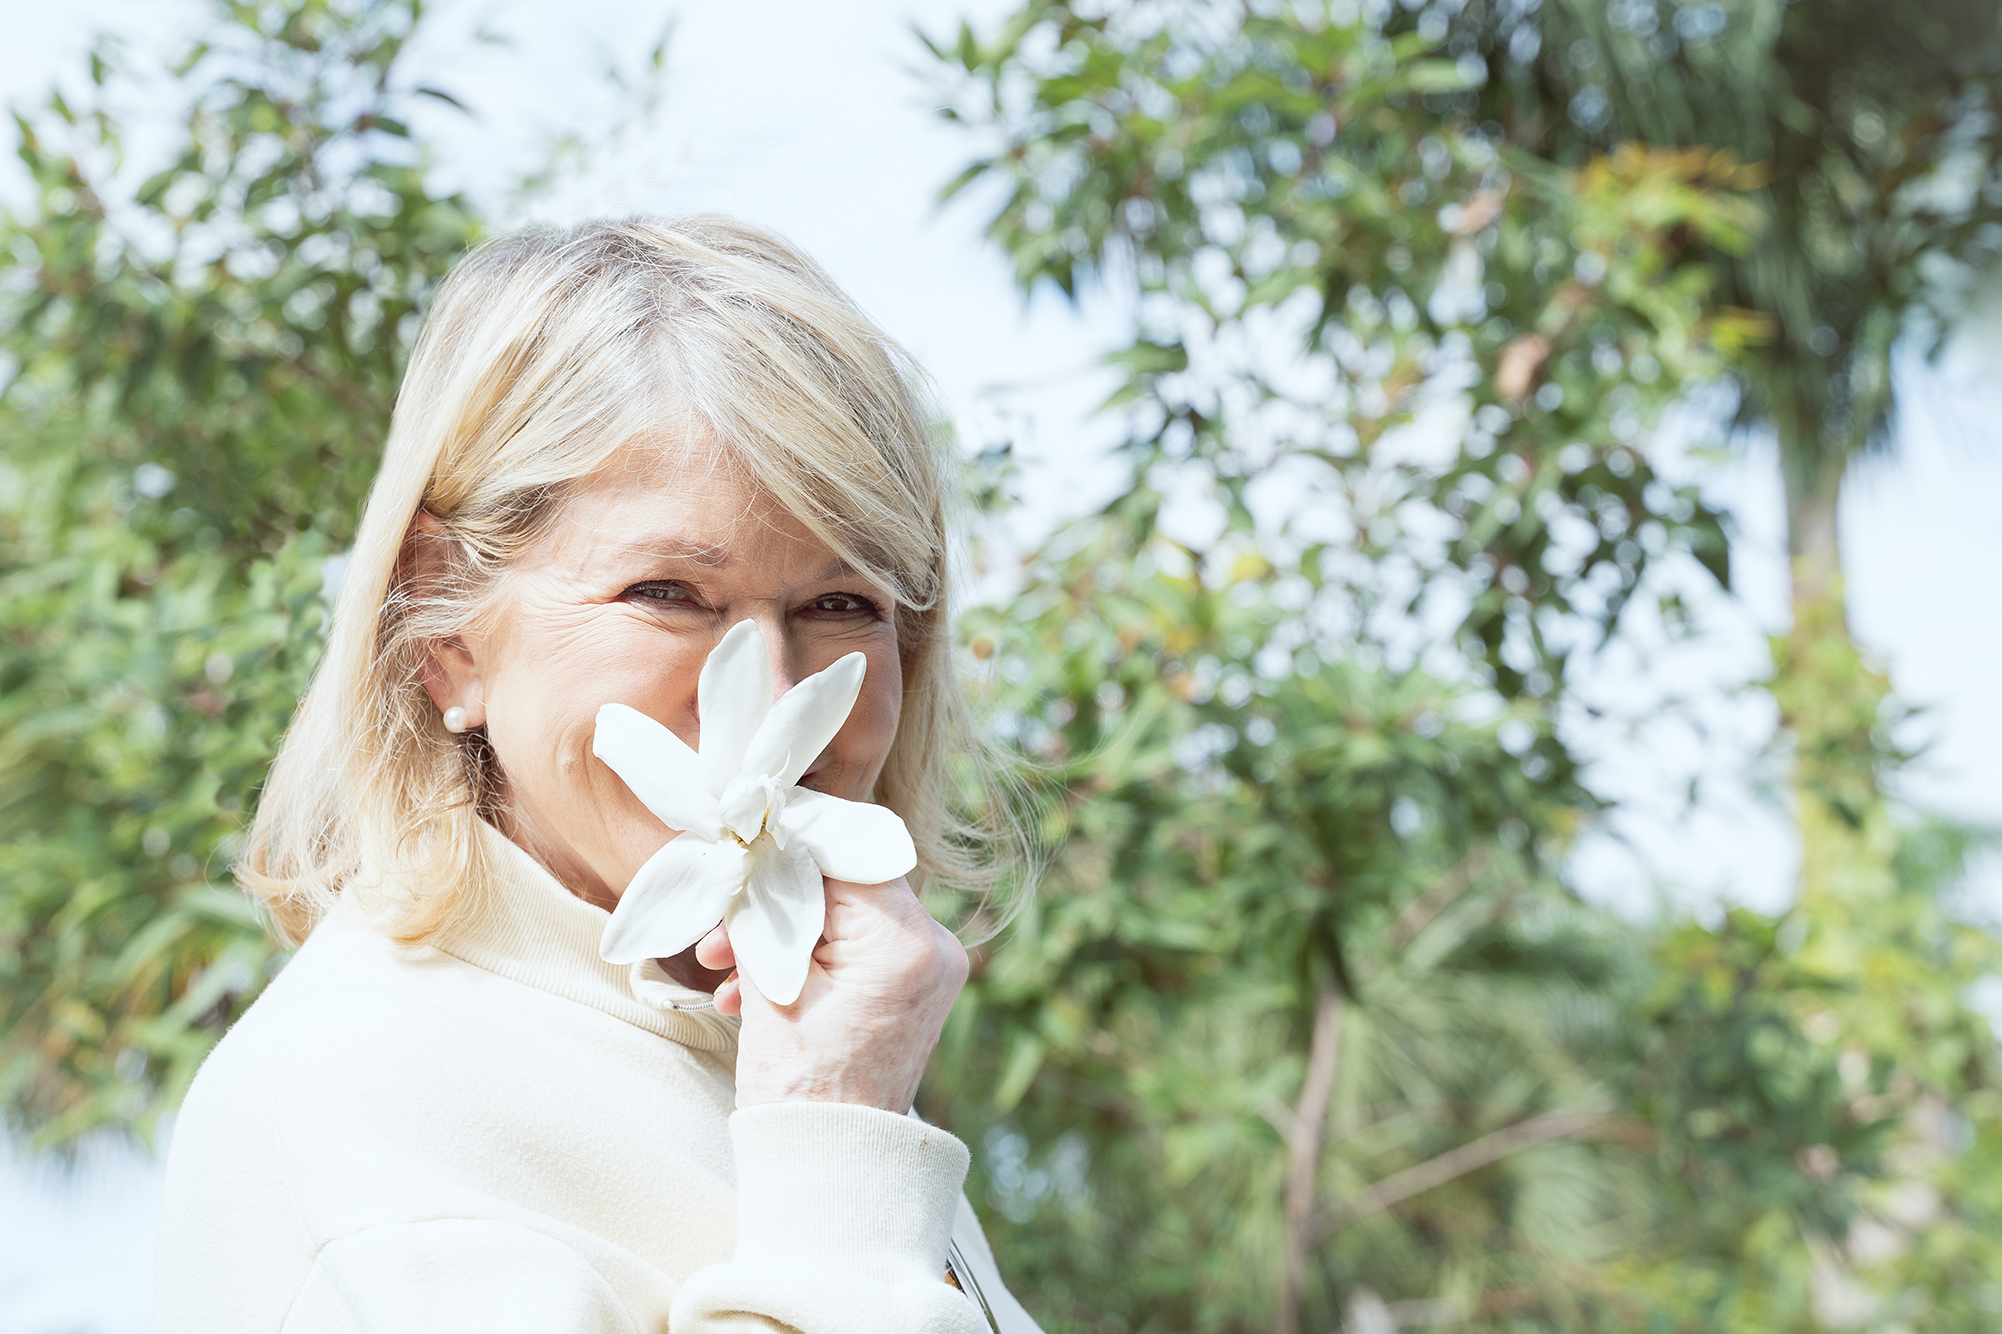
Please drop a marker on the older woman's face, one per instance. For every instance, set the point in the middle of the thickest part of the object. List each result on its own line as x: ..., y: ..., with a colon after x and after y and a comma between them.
x: 621, y: 602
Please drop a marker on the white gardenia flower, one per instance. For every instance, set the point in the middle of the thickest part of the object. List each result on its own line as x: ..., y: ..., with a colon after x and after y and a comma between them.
x: 753, y: 847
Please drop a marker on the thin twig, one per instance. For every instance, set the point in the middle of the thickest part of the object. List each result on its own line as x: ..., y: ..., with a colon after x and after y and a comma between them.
x: 1490, y: 1148
x: 1304, y: 1153
x: 1281, y: 1117
x: 1420, y: 912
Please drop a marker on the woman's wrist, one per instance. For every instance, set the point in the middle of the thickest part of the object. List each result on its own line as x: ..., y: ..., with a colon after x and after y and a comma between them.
x: 858, y: 1186
x: 839, y: 1090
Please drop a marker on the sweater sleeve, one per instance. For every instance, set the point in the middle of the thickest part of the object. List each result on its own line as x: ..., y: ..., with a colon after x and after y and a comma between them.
x: 844, y: 1214
x: 473, y: 1275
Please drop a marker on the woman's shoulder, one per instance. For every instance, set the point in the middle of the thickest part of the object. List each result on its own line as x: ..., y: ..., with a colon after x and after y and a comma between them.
x: 354, y: 1019
x: 274, y: 1098
x: 344, y: 1018
x: 369, y: 1093
x: 343, y: 997
x: 414, y: 1037
x: 373, y: 1085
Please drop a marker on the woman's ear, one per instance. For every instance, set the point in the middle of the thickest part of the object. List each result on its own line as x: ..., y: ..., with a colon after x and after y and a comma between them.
x: 450, y: 673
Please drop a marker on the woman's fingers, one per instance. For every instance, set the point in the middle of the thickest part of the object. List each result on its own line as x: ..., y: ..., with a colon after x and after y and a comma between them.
x: 881, y: 936
x: 730, y: 996
x: 854, y: 909
x: 713, y: 950
x: 860, y: 920
x: 883, y: 978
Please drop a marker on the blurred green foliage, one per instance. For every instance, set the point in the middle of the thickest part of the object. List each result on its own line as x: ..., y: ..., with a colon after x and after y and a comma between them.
x: 1408, y: 368
x: 1410, y: 299
x: 1881, y: 173
x: 199, y: 367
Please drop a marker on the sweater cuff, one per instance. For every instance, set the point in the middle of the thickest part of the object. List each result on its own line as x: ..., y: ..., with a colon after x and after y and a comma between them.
x: 860, y: 1187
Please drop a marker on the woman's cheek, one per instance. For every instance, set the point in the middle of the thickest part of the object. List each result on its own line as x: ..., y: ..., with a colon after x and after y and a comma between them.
x: 882, y: 708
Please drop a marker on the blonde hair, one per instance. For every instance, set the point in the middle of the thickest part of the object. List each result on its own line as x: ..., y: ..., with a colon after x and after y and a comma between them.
x: 545, y: 356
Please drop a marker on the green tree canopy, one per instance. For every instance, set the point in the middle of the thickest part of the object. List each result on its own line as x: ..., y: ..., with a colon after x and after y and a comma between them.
x: 201, y: 365
x: 1409, y: 305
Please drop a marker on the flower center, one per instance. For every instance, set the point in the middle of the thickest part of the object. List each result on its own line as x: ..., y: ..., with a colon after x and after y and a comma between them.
x: 751, y: 804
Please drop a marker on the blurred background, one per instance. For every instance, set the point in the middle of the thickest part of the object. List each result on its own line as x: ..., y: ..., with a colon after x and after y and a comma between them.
x: 1482, y: 518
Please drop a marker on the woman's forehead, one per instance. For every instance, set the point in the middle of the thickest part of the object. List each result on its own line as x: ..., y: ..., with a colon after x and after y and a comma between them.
x: 715, y: 518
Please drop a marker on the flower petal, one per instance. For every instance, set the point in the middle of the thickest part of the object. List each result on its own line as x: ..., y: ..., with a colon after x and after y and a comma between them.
x: 679, y: 894
x: 804, y: 720
x: 732, y: 696
x: 659, y: 767
x: 849, y: 840
x: 776, y: 922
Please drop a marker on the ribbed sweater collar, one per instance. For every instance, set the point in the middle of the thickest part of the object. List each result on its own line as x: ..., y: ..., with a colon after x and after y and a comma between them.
x: 523, y: 925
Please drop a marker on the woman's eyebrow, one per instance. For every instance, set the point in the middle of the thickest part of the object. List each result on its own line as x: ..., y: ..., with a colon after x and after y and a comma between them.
x: 716, y: 557
x: 712, y: 556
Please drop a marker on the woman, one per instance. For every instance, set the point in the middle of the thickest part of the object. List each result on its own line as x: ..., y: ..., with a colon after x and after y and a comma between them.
x: 449, y: 1111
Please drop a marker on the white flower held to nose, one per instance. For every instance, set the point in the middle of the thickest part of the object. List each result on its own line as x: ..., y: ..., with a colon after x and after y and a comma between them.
x: 753, y: 846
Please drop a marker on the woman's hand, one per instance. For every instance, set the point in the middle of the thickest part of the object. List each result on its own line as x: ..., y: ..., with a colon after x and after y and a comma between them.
x: 877, y: 993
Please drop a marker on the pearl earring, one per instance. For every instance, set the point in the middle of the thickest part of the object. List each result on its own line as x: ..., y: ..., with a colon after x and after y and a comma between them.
x: 455, y: 719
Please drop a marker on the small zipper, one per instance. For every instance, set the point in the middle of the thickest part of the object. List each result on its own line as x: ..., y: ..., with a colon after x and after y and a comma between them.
x: 960, y: 1274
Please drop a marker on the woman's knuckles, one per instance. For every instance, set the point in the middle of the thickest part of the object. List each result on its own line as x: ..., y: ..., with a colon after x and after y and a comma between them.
x: 886, y: 977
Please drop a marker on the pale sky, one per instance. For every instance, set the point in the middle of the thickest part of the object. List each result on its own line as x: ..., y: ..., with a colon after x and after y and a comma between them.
x: 808, y: 116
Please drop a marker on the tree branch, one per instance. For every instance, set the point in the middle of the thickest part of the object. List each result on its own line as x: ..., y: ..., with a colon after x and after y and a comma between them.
x: 1419, y: 913
x: 1490, y: 1148
x: 1303, y: 1136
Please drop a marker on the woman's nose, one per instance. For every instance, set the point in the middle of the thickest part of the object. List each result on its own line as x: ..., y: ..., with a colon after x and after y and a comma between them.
x: 778, y: 643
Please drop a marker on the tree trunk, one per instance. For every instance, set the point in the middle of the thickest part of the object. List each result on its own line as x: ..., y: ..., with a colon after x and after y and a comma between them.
x: 1829, y: 697
x: 1813, y: 548
x: 1304, y: 1154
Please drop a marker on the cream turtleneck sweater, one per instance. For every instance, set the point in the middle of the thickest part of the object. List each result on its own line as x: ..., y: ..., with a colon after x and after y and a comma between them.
x: 507, y: 1133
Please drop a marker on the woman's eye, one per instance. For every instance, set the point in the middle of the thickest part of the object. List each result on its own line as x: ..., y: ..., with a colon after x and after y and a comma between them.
x: 660, y: 593
x: 846, y: 604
